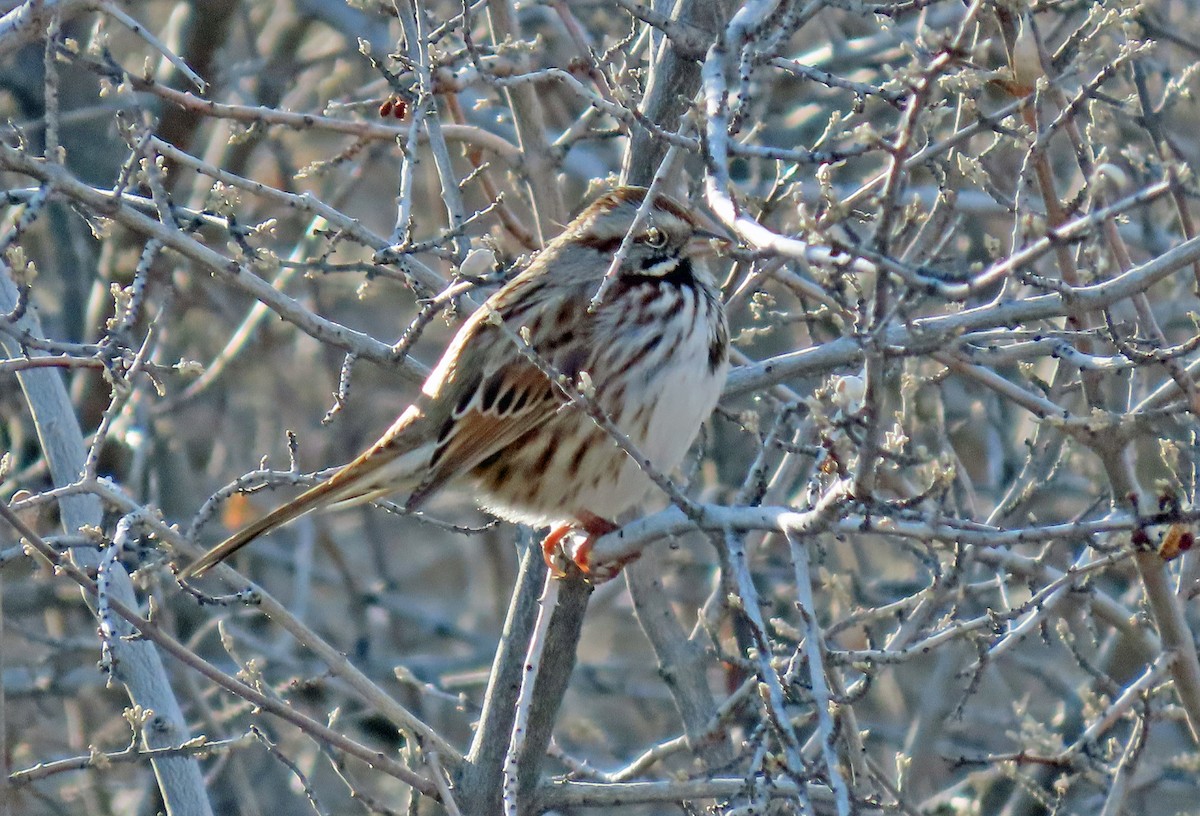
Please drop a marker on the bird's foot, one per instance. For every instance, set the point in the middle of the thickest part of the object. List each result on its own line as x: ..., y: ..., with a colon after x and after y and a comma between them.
x: 552, y: 551
x: 556, y: 551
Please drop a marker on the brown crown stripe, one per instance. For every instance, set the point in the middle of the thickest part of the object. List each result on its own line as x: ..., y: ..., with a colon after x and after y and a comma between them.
x: 635, y: 195
x: 609, y: 244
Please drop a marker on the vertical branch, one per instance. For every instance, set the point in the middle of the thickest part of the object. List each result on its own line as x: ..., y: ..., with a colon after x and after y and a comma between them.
x: 481, y: 780
x: 770, y: 689
x: 682, y: 664
x: 541, y: 175
x: 50, y: 82
x: 412, y: 20
x: 6, y: 791
x: 673, y: 82
x: 518, y: 749
x: 558, y: 661
x: 205, y: 32
x: 814, y: 648
x: 1165, y: 605
x: 137, y: 663
x: 866, y: 469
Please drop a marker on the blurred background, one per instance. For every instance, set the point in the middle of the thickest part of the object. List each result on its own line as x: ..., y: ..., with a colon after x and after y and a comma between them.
x: 241, y: 283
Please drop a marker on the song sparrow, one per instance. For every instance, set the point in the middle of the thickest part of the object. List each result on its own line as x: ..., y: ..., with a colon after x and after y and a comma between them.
x: 655, y: 351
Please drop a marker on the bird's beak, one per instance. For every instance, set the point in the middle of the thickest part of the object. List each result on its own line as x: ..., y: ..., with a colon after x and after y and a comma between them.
x: 710, y: 236
x: 707, y: 244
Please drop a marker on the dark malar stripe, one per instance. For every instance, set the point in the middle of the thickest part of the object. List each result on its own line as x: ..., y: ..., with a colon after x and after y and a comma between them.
x: 717, y: 352
x: 718, y: 347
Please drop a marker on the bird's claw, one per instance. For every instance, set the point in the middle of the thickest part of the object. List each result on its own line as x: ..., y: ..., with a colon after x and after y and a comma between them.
x: 554, y: 553
x: 560, y: 557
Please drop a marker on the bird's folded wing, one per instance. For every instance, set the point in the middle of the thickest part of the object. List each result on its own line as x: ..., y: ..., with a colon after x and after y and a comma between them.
x: 505, y: 405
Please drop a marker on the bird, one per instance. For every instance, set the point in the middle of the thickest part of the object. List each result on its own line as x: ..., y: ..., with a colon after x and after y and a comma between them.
x: 494, y: 415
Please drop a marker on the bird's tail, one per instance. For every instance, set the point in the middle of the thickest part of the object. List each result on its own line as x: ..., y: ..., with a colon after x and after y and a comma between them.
x: 390, y: 465
x: 307, y: 501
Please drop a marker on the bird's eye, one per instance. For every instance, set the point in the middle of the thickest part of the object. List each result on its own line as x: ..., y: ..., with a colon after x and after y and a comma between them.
x: 655, y: 237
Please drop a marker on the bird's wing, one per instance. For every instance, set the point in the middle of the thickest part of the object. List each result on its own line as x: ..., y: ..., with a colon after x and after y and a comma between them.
x: 487, y: 394
x: 502, y: 407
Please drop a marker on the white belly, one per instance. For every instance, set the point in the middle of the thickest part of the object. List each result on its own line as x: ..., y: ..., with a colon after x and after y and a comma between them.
x: 686, y: 395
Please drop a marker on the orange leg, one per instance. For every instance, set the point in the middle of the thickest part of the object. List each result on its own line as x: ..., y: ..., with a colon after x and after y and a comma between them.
x: 595, y: 527
x: 550, y: 548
